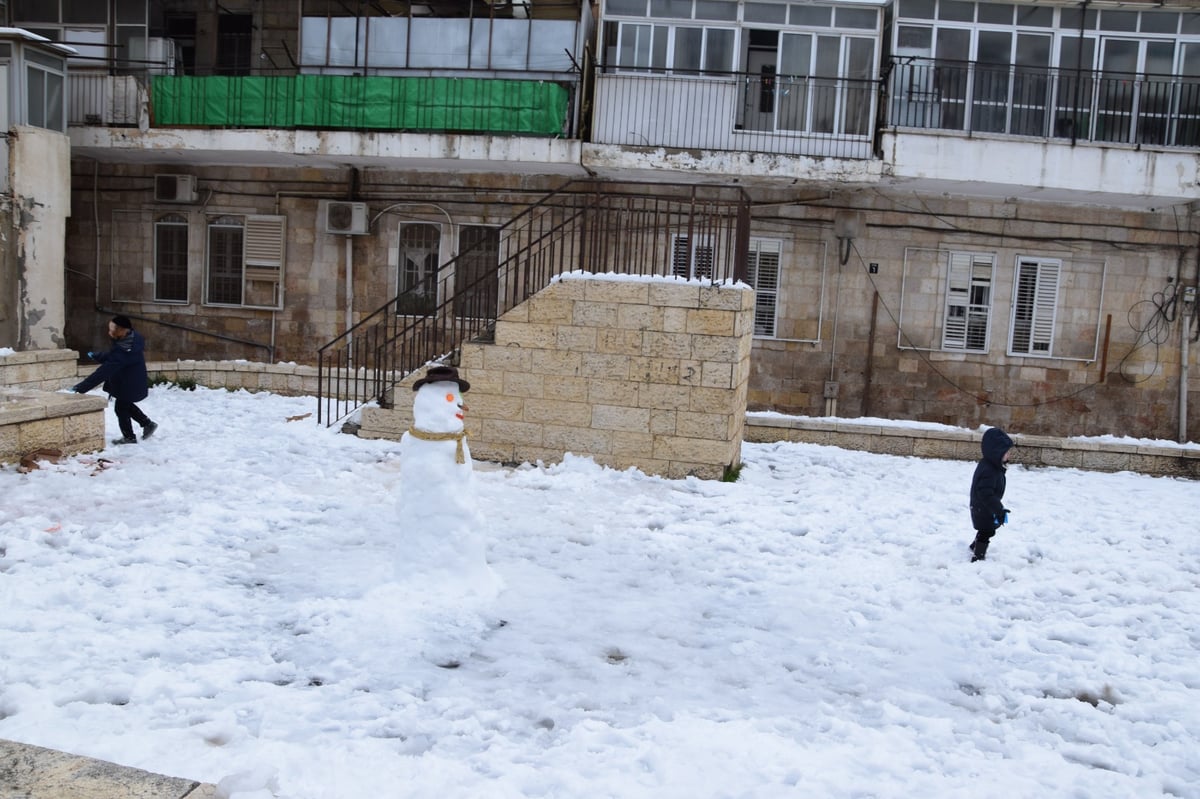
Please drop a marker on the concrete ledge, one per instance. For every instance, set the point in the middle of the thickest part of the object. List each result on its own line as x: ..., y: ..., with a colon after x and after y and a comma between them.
x: 33, y: 772
x: 1102, y: 456
x: 31, y: 420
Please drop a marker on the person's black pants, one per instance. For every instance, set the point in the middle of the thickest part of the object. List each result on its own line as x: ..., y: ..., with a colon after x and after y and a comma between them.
x: 127, y: 411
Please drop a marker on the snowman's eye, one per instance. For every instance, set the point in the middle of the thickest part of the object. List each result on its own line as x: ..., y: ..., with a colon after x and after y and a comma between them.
x: 449, y: 398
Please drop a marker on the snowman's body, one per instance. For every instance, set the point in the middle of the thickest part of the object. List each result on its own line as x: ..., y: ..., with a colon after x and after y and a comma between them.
x: 440, y: 529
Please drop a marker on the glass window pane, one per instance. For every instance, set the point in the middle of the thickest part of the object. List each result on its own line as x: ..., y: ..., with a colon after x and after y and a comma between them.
x: 131, y: 12
x: 812, y: 16
x: 225, y: 264
x: 916, y: 9
x: 1159, y: 23
x: 679, y: 9
x: 766, y: 12
x: 36, y: 113
x: 718, y: 50
x: 629, y: 8
x: 170, y: 260
x: 88, y: 12
x: 1191, y: 24
x: 1069, y: 19
x: 54, y: 102
x: 1035, y: 16
x: 995, y: 47
x: 1118, y: 20
x: 688, y: 42
x: 956, y: 10
x: 35, y: 11
x: 910, y: 37
x: 716, y: 9
x: 996, y: 13
x: 860, y: 18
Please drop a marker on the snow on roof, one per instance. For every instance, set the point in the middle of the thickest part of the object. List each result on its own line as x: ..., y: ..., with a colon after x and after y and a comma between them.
x: 21, y: 33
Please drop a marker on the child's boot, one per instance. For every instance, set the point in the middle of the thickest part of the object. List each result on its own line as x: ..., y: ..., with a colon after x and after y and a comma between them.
x: 979, y: 547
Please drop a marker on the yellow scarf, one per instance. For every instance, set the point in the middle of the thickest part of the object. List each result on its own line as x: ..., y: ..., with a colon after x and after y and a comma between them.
x: 456, y: 437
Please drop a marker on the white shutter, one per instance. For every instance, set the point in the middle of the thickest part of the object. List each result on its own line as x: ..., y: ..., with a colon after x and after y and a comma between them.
x: 1035, y: 307
x: 968, y: 301
x: 1045, y: 305
x: 263, y: 255
x: 763, y: 266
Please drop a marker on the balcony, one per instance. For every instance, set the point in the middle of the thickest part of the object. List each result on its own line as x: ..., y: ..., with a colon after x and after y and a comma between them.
x: 744, y: 112
x: 326, y: 102
x: 1063, y: 104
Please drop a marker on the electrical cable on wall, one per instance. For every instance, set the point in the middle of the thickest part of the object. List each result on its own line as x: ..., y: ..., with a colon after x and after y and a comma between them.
x: 1155, y: 331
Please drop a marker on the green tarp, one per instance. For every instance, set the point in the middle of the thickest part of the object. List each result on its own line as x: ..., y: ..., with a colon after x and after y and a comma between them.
x: 475, y: 105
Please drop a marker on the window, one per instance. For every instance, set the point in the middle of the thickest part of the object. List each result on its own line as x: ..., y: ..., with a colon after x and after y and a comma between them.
x: 245, y: 261
x: 171, y: 258
x: 1035, y: 301
x: 476, y: 277
x: 416, y: 284
x: 968, y: 301
x: 47, y: 102
x: 687, y: 50
x: 690, y: 260
x: 762, y: 264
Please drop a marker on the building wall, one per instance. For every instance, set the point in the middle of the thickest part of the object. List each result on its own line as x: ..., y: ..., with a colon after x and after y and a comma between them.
x: 39, y: 179
x: 1116, y: 364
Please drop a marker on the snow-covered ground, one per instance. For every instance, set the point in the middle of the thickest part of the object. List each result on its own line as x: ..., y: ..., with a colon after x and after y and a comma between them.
x: 225, y: 603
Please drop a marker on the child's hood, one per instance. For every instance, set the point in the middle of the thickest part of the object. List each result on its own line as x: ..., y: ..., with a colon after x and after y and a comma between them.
x: 995, y: 443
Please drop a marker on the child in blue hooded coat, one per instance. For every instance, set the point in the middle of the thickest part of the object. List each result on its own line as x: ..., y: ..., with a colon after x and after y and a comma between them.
x: 987, y: 490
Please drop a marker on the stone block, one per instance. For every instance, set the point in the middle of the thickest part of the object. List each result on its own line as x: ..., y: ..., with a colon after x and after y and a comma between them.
x: 662, y: 396
x: 578, y: 440
x: 550, y: 310
x: 595, y: 314
x: 702, y: 425
x: 632, y: 445
x: 718, y: 348
x: 667, y: 345
x: 634, y: 292
x: 693, y: 450
x: 642, y: 317
x: 504, y: 358
x: 556, y: 362
x: 555, y: 412
x: 613, y: 392
x: 496, y: 406
x: 619, y: 342
x: 662, y: 422
x: 678, y: 470
x: 605, y: 367
x: 654, y: 370
x: 526, y: 336
x: 710, y: 322
x: 726, y: 298
x: 674, y: 320
x: 716, y: 374
x: 575, y: 338
x: 504, y: 432
x: 568, y: 389
x: 617, y: 417
x: 673, y: 295
x: 40, y: 434
x: 523, y: 384
x: 528, y: 454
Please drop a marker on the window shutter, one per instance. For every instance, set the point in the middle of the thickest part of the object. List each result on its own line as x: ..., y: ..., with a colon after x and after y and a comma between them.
x: 680, y: 256
x: 958, y: 290
x: 689, y: 261
x: 264, y: 242
x: 763, y: 263
x: 1045, y: 304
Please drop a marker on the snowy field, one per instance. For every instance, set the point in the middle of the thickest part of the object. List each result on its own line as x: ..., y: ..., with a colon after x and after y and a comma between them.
x: 224, y: 603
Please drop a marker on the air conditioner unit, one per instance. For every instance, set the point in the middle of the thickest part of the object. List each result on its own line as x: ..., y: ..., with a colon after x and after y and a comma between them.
x: 156, y: 55
x: 175, y: 188
x: 345, y: 218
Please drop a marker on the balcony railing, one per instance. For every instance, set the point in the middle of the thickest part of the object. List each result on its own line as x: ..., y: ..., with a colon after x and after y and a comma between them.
x: 327, y: 102
x: 735, y: 111
x: 1089, y: 106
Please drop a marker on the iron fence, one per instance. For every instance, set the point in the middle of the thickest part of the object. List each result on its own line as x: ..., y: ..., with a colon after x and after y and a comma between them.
x: 1081, y: 105
x: 688, y: 232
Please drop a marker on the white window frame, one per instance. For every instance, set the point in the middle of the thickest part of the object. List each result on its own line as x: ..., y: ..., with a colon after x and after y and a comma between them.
x: 968, y: 274
x: 263, y: 254
x: 646, y: 57
x: 765, y: 279
x: 1034, y: 306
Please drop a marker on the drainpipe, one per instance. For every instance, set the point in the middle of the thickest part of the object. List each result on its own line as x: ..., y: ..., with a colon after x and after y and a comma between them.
x: 349, y: 282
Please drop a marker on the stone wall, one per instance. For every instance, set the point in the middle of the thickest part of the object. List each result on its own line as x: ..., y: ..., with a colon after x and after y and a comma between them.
x: 646, y: 373
x: 47, y: 370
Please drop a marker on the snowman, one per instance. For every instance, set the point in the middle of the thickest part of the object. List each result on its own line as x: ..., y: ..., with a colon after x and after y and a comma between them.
x: 440, y: 538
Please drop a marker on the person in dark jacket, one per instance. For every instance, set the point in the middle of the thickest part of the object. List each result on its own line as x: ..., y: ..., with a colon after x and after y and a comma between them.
x: 123, y: 372
x: 987, y: 490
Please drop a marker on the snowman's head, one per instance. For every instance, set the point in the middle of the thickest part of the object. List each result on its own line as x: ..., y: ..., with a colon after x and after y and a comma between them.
x: 438, y: 407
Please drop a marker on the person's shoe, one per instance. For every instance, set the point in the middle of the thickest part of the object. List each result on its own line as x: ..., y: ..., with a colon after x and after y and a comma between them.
x: 148, y: 430
x: 125, y: 440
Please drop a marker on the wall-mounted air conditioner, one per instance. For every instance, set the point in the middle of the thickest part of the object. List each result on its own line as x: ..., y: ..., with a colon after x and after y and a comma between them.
x: 345, y: 218
x: 175, y: 188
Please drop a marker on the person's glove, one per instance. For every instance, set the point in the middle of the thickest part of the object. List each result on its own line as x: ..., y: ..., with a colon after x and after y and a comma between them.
x: 1002, y: 519
x: 75, y: 388
x: 91, y: 355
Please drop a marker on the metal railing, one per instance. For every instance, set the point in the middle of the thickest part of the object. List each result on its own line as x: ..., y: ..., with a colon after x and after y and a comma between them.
x: 735, y: 111
x: 684, y: 231
x: 100, y: 99
x: 1080, y: 105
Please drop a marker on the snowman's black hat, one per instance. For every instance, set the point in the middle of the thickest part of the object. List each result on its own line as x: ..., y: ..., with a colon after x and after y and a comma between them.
x: 443, y: 374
